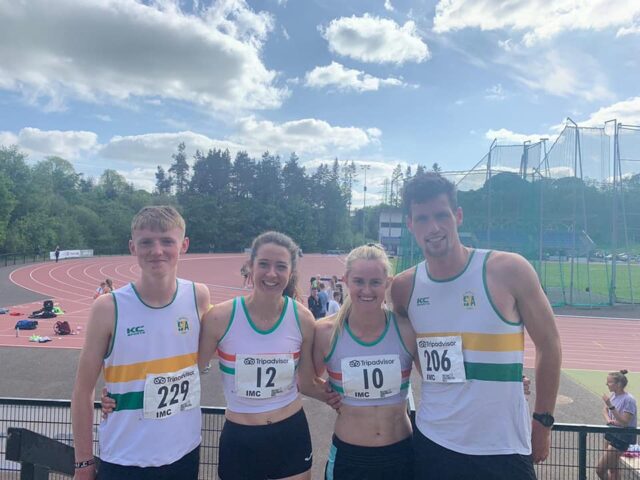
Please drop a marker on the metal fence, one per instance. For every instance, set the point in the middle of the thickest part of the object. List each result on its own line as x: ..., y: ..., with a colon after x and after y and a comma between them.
x: 52, y: 418
x: 7, y: 259
x: 575, y: 449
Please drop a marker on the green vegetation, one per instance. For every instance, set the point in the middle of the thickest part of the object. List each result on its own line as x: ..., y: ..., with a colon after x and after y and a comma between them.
x: 225, y: 203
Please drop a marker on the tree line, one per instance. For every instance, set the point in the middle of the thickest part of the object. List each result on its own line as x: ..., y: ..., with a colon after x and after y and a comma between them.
x: 227, y: 201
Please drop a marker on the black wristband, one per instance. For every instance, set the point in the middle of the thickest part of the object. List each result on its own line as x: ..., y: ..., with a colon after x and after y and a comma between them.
x: 84, y: 464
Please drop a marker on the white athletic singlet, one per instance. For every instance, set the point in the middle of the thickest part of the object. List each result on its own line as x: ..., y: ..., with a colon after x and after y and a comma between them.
x: 471, y: 359
x: 259, y: 366
x: 151, y: 371
x: 370, y: 374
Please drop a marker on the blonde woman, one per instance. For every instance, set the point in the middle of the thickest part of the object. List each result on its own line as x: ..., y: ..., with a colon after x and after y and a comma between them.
x: 367, y: 353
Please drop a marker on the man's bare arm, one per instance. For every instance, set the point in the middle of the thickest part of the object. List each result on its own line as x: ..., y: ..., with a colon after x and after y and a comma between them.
x: 536, y: 313
x: 100, y: 330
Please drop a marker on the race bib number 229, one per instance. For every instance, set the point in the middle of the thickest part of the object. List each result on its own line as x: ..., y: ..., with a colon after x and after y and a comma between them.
x: 168, y: 394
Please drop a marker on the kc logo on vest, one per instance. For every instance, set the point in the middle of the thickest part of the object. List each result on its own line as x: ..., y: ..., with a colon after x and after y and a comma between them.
x: 422, y: 301
x: 139, y: 330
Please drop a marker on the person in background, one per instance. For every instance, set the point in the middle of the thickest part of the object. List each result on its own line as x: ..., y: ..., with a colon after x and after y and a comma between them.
x: 334, y: 303
x: 620, y: 410
x: 99, y: 290
x: 57, y: 253
x: 324, y: 297
x: 314, y: 304
x: 108, y: 288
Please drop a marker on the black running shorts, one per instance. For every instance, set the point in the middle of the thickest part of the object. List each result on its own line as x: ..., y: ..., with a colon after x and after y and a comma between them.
x: 435, y: 461
x: 353, y: 462
x: 278, y: 450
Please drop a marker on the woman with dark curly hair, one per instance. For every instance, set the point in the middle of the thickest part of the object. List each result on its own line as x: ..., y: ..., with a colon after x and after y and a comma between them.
x: 620, y: 410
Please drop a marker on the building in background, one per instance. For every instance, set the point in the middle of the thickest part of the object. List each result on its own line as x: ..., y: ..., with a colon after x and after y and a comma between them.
x: 390, y: 229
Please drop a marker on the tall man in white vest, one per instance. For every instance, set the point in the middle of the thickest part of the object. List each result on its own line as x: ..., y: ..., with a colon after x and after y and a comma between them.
x: 144, y: 338
x: 469, y: 309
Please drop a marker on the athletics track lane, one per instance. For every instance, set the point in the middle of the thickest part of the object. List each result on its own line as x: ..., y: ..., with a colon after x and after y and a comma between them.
x: 72, y: 283
x: 588, y: 343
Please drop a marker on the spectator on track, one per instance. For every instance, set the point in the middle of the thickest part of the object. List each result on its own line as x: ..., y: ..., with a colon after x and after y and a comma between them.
x: 108, y: 286
x: 314, y: 304
x: 334, y: 303
x: 57, y: 253
x: 323, y: 296
x: 620, y: 410
x: 99, y: 290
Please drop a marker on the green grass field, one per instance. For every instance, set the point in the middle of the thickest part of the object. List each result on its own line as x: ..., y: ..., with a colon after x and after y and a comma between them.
x: 590, y: 282
x: 594, y: 381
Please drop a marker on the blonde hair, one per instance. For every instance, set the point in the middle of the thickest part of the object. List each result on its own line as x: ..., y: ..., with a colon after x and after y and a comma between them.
x: 620, y: 377
x: 370, y: 251
x: 158, y: 218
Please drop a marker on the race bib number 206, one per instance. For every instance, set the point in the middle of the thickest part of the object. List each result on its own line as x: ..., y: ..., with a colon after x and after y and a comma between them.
x: 441, y: 359
x: 168, y: 394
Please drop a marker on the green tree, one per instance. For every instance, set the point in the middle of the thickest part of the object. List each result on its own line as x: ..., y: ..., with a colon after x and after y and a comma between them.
x: 180, y: 169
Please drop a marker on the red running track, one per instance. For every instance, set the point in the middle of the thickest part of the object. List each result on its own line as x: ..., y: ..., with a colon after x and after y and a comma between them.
x: 72, y: 283
x: 588, y: 343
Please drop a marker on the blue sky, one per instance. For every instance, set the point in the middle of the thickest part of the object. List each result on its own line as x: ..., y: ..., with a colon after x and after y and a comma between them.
x: 119, y: 83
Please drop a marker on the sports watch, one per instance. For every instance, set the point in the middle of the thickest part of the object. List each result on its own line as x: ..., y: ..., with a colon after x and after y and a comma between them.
x: 545, y: 419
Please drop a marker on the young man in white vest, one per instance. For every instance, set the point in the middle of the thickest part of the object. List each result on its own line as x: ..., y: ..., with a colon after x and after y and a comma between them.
x: 469, y: 309
x: 144, y: 337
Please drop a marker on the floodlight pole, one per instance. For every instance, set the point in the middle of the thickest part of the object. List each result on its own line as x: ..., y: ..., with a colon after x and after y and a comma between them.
x: 364, y: 167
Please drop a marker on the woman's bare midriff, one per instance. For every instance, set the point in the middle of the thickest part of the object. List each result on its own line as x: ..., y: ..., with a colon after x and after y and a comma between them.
x: 373, y: 426
x: 265, y: 418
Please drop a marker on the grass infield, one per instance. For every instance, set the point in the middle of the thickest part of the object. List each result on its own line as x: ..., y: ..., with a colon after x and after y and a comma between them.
x: 594, y: 381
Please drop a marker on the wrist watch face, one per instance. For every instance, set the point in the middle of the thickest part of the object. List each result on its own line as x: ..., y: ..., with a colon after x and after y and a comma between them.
x: 545, y: 419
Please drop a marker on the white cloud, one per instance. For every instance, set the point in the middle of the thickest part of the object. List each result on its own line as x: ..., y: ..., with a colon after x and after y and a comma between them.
x: 144, y: 178
x: 7, y: 139
x: 627, y: 111
x: 495, y: 92
x: 632, y: 30
x: 536, y: 19
x: 387, y: 6
x: 157, y: 148
x: 558, y: 73
x: 305, y: 136
x: 507, y: 136
x: 337, y: 75
x: 376, y: 40
x: 104, y: 118
x: 68, y: 144
x: 121, y: 50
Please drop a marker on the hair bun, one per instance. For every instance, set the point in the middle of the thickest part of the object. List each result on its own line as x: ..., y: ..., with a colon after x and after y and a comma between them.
x: 624, y: 372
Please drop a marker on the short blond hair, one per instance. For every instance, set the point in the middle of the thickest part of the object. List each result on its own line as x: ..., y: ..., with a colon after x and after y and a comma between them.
x: 158, y: 218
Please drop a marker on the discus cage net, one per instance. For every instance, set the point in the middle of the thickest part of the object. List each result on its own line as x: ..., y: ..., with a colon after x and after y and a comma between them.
x: 571, y: 206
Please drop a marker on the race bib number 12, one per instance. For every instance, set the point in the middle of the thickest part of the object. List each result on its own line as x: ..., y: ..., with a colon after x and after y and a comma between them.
x: 264, y: 376
x: 167, y: 394
x: 375, y: 376
x: 441, y: 359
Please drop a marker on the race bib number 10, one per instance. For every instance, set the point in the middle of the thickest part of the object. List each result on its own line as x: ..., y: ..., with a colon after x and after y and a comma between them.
x: 375, y: 376
x: 264, y: 376
x: 441, y: 359
x: 168, y: 394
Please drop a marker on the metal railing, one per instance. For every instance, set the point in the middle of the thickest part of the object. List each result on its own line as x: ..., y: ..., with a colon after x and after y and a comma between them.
x: 7, y: 259
x: 575, y: 449
x: 52, y: 418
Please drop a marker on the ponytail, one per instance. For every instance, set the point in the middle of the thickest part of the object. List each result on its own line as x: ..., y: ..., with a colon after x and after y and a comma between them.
x: 341, y: 318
